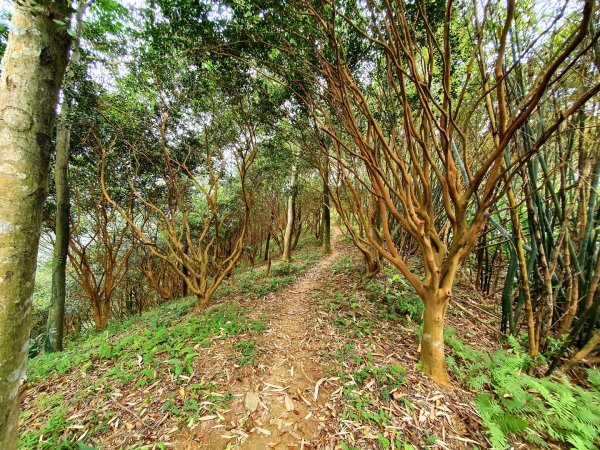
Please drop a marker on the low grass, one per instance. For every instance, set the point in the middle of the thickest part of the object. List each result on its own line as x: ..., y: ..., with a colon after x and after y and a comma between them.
x: 253, y: 280
x: 160, y: 346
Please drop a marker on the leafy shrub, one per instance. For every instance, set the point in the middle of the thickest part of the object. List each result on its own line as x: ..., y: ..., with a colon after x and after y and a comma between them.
x: 361, y: 405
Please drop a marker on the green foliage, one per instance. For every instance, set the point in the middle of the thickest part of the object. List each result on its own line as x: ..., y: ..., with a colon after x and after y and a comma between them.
x: 343, y: 265
x: 133, y: 354
x: 49, y: 437
x: 160, y: 330
x: 161, y: 344
x: 283, y: 274
x: 366, y: 385
x: 351, y: 316
x: 199, y: 399
x: 518, y: 405
x: 40, y: 304
x: 248, y: 352
x: 397, y: 301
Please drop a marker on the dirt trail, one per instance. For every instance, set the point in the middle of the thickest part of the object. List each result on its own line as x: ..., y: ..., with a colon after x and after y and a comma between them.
x: 275, y: 407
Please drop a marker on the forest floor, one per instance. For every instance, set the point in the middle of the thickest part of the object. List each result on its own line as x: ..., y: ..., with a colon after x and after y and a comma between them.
x: 324, y: 360
x: 303, y: 360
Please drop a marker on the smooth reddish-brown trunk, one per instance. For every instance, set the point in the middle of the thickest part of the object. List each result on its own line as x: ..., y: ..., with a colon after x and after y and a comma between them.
x: 202, y: 301
x: 100, y: 313
x: 432, y: 342
x: 373, y: 266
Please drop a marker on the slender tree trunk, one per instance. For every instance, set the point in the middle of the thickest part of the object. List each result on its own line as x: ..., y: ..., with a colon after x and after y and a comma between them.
x: 523, y: 272
x: 326, y: 220
x: 269, y: 233
x: 32, y: 70
x: 432, y: 343
x: 267, y: 245
x: 585, y: 351
x: 319, y: 227
x: 296, y: 235
x: 572, y: 296
x: 56, y: 313
x: 289, y: 227
x: 184, y: 270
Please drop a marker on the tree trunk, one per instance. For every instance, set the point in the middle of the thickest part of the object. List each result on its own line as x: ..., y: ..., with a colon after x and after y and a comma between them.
x: 202, y: 301
x: 296, y: 236
x: 100, y: 313
x: 32, y: 70
x: 56, y: 313
x: 432, y: 343
x: 523, y: 272
x: 267, y: 244
x: 268, y: 271
x: 103, y: 319
x: 289, y: 227
x: 586, y: 350
x: 373, y: 265
x: 326, y: 220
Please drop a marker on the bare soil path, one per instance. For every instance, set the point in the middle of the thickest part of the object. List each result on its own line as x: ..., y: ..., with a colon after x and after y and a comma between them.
x: 283, y: 403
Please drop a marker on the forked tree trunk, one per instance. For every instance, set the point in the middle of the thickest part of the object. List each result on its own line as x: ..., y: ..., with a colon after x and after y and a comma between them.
x: 432, y: 342
x: 101, y: 313
x: 32, y: 70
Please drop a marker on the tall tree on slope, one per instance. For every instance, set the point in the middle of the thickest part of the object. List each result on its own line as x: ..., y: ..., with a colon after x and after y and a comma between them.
x: 56, y: 313
x: 32, y: 70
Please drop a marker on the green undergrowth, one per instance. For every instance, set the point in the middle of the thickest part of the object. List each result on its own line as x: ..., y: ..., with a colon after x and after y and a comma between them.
x: 93, y: 345
x: 396, y: 301
x: 368, y: 386
x: 253, y: 280
x: 160, y: 346
x: 388, y: 298
x: 248, y: 352
x: 157, y: 349
x: 344, y: 265
x: 154, y: 324
x: 517, y: 406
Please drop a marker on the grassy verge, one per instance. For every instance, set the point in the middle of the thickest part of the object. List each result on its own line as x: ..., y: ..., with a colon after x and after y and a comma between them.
x: 155, y: 361
x: 515, y: 408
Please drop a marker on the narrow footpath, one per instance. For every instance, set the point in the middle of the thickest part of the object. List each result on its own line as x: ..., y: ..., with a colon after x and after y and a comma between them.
x: 282, y: 404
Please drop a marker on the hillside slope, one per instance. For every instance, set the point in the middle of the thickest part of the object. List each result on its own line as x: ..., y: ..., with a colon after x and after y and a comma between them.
x: 313, y: 357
